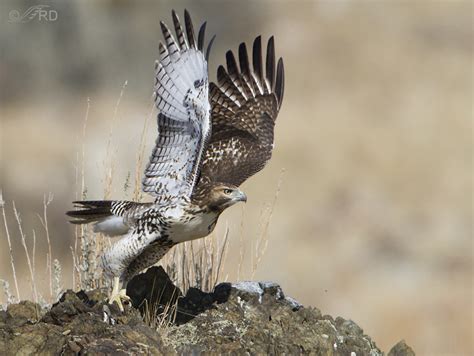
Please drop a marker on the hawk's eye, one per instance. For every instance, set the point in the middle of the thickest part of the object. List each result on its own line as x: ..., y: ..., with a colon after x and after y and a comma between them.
x: 228, y: 191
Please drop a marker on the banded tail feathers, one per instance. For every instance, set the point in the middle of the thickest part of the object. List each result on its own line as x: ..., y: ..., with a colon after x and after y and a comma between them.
x: 111, y: 217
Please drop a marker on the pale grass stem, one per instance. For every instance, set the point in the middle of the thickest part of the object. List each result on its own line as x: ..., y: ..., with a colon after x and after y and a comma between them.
x: 33, y: 257
x: 7, y: 232
x: 76, y: 228
x: 79, y: 230
x: 242, y: 247
x: 262, y: 240
x: 74, y: 267
x: 164, y: 319
x: 82, y: 228
x: 28, y: 260
x: 109, y: 170
x: 83, y: 148
x: 140, y: 156
x: 222, y: 255
x: 49, y: 256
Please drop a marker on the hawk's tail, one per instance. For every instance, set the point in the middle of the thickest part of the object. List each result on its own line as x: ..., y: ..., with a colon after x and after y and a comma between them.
x: 90, y: 211
x: 108, y: 216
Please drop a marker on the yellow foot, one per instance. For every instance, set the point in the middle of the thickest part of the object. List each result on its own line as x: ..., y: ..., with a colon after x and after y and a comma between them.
x: 120, y: 298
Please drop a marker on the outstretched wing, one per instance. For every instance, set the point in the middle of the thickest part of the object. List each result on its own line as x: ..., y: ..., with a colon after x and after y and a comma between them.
x: 181, y: 95
x: 245, y: 104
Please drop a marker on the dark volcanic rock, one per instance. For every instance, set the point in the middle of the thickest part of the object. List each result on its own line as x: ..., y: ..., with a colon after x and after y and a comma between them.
x: 240, y: 318
x: 153, y: 291
x: 401, y: 349
x: 257, y: 318
x: 77, y: 323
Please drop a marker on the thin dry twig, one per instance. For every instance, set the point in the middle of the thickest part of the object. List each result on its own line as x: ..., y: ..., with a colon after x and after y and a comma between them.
x: 84, y: 127
x: 49, y: 256
x: 109, y: 170
x: 79, y: 230
x: 242, y: 246
x: 74, y: 267
x: 221, y: 256
x: 28, y: 260
x: 34, y: 252
x: 262, y: 240
x: 12, y: 262
x: 140, y: 156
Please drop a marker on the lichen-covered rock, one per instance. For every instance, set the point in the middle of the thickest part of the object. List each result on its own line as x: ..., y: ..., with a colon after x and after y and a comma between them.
x: 240, y: 318
x: 77, y: 323
x: 257, y: 318
x: 401, y: 349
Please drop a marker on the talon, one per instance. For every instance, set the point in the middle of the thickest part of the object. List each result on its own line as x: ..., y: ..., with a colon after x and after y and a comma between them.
x: 118, y: 296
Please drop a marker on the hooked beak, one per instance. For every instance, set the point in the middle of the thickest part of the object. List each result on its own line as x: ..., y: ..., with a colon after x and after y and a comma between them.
x: 240, y: 196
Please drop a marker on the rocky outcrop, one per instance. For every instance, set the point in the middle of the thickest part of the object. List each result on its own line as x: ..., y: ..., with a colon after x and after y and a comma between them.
x: 240, y: 318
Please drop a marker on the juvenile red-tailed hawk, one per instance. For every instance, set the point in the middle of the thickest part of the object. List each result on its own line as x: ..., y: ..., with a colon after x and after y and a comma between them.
x: 211, y: 138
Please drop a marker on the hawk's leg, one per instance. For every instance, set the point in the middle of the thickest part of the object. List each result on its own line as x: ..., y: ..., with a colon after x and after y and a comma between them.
x: 118, y: 295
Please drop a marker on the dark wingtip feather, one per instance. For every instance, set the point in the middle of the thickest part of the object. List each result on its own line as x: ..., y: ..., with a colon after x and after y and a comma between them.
x: 163, y: 27
x: 164, y: 30
x: 280, y: 82
x: 257, y: 58
x: 179, y: 31
x: 270, y: 63
x: 221, y: 73
x: 175, y: 17
x: 186, y: 14
x: 243, y: 58
x: 201, y: 35
x: 209, y: 46
x: 231, y: 63
x: 189, y: 29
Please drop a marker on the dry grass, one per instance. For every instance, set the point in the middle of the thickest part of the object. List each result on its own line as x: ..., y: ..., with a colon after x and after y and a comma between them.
x: 9, y: 297
x: 30, y: 256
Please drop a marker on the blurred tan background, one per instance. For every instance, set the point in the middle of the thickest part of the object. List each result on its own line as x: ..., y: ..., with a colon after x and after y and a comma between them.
x: 374, y: 218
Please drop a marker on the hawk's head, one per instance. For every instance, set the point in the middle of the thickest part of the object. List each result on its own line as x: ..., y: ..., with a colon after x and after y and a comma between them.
x: 222, y: 196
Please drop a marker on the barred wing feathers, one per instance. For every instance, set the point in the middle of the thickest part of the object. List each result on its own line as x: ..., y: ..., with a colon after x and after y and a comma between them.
x: 182, y: 96
x: 245, y: 105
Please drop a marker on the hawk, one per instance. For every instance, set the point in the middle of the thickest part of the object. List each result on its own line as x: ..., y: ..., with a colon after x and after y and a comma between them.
x: 211, y: 138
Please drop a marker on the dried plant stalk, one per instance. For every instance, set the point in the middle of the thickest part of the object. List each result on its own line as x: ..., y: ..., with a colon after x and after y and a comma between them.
x: 28, y: 260
x: 7, y: 232
x: 49, y: 256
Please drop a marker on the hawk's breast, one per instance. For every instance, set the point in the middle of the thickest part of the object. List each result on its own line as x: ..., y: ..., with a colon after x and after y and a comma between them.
x: 191, y: 224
